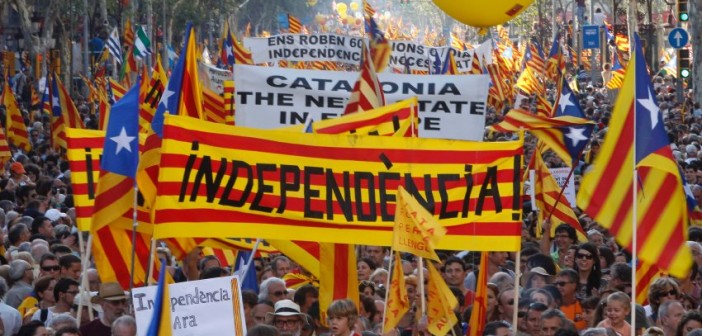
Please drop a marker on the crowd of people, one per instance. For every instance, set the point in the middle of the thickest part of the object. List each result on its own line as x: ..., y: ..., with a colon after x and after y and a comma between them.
x: 565, y: 286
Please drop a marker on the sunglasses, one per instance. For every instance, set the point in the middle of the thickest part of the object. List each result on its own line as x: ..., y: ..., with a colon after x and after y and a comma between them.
x: 672, y: 292
x: 522, y: 314
x: 561, y: 283
x: 583, y: 256
x: 50, y: 268
x: 280, y: 293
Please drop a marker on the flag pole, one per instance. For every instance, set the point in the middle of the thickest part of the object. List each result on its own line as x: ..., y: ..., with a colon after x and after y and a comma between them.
x: 517, y: 275
x: 387, y: 286
x: 152, y: 262
x: 135, y: 224
x: 633, y: 11
x: 84, y: 287
x: 421, y: 286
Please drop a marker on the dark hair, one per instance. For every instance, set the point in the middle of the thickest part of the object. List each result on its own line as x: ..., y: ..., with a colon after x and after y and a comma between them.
x: 30, y: 328
x: 62, y: 286
x: 41, y: 285
x: 595, y: 277
x: 213, y: 272
x: 542, y: 260
x: 692, y: 315
x: 263, y: 330
x: 37, y: 223
x: 607, y: 254
x: 301, y: 294
x: 695, y: 233
x: 491, y: 328
x: 620, y: 271
x: 60, y: 248
x: 455, y: 260
x: 368, y: 262
x: 67, y: 260
x: 204, y: 260
x: 249, y: 297
x: 368, y: 304
x: 571, y: 274
x: 569, y: 230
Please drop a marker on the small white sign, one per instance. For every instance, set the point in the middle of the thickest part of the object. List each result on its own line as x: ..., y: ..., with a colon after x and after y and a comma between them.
x: 204, y: 307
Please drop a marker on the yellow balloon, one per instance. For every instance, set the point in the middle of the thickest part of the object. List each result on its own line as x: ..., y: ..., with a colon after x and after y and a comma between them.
x: 341, y: 8
x: 311, y: 2
x: 481, y: 13
x: 354, y: 6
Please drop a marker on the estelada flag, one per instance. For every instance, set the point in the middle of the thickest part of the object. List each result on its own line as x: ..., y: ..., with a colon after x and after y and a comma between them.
x: 416, y: 231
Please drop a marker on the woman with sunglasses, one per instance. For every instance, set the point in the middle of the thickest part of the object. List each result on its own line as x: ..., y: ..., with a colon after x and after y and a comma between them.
x: 662, y: 290
x: 587, y: 264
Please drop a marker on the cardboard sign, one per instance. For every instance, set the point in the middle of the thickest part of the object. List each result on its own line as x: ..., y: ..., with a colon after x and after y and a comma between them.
x: 204, y: 307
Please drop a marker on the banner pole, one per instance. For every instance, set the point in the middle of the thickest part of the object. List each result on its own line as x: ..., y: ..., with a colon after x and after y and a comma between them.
x: 421, y: 285
x: 135, y: 224
x: 633, y: 23
x: 84, y: 287
x: 387, y: 288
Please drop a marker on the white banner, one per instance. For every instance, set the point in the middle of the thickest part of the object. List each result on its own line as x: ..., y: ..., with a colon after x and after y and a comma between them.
x: 213, y: 77
x: 203, y: 307
x: 560, y: 174
x: 301, y: 47
x: 450, y: 106
x: 346, y: 49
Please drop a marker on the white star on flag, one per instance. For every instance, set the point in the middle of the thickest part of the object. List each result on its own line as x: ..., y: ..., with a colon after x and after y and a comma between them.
x: 123, y: 141
x: 576, y: 135
x: 229, y: 50
x: 652, y: 108
x: 564, y: 102
x: 165, y: 96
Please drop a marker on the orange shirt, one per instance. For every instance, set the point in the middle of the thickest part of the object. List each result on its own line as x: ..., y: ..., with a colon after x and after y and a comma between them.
x: 574, y: 312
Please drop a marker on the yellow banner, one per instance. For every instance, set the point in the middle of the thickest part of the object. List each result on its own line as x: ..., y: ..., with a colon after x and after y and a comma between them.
x: 227, y: 181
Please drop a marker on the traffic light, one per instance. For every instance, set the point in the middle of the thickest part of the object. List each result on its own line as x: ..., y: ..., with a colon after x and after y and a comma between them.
x: 683, y: 15
x: 684, y: 63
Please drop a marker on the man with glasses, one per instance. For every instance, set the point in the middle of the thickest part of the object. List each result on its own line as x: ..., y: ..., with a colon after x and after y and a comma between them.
x: 49, y: 266
x: 620, y: 278
x: 287, y: 318
x: 533, y: 321
x: 567, y: 283
x: 273, y: 290
x: 65, y: 292
x: 113, y: 300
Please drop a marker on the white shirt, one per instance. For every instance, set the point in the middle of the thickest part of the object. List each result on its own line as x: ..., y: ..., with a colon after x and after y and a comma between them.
x: 11, y: 319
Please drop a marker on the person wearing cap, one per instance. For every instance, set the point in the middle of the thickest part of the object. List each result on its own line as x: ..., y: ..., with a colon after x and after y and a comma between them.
x: 287, y: 318
x: 113, y: 300
x: 22, y: 276
x: 567, y: 283
x: 18, y: 176
x: 537, y: 277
